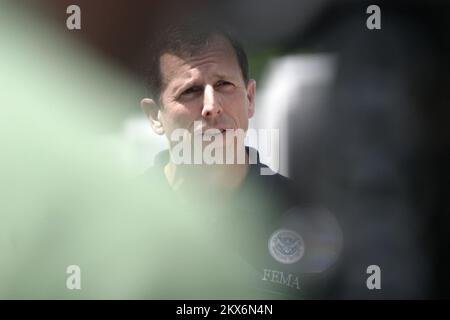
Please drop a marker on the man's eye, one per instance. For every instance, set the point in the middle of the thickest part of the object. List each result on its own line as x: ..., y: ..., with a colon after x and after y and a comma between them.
x: 223, y: 83
x: 190, y: 91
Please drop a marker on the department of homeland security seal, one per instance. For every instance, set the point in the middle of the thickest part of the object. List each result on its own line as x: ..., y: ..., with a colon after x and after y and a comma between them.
x: 286, y: 246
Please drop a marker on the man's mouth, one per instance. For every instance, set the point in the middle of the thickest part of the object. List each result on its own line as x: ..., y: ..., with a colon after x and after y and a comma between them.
x: 213, y: 132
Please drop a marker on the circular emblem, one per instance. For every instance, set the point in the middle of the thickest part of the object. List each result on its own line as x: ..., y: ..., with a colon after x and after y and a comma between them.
x: 286, y: 246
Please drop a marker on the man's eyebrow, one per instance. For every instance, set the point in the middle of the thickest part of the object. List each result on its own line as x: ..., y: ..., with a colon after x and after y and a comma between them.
x: 224, y: 76
x: 193, y: 82
x: 184, y: 85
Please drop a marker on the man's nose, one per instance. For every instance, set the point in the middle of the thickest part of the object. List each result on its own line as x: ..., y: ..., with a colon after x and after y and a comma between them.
x: 211, y: 103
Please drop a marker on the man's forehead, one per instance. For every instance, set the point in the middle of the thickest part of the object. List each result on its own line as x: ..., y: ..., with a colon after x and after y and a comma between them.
x: 173, y: 66
x: 180, y: 66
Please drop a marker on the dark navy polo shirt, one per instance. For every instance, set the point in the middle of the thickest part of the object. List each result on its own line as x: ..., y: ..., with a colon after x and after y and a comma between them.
x: 276, y: 233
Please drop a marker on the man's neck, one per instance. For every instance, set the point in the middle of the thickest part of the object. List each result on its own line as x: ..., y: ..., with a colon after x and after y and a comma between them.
x: 215, y: 177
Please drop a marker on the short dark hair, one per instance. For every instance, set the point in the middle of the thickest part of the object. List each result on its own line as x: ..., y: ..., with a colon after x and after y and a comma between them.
x: 186, y: 38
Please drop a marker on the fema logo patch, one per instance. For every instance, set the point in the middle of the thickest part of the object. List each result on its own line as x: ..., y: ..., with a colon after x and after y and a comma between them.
x: 286, y: 246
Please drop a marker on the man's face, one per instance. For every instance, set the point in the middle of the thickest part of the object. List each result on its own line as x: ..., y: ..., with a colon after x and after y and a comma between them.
x: 207, y: 88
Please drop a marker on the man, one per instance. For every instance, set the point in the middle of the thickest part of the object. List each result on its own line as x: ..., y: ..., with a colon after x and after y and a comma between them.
x: 200, y: 84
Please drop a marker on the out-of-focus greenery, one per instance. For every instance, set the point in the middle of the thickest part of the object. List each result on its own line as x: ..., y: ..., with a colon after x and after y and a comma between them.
x: 258, y: 60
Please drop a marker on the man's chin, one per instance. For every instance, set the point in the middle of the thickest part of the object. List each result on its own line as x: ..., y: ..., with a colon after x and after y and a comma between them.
x: 213, y: 146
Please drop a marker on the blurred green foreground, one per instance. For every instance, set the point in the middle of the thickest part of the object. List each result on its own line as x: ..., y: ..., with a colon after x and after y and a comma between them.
x: 66, y: 201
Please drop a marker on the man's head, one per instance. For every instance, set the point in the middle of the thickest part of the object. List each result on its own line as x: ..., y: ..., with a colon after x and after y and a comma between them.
x: 200, y: 74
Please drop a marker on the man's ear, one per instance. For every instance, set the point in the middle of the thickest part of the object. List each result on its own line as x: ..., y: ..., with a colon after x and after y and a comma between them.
x: 153, y: 114
x: 251, y: 96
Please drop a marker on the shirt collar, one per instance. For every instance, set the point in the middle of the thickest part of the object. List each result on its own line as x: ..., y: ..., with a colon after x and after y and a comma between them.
x: 163, y: 157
